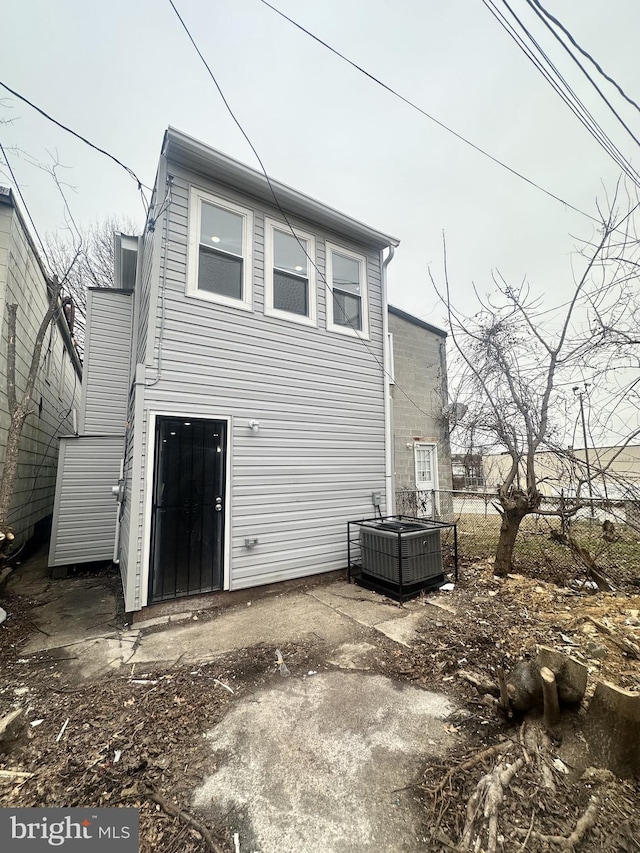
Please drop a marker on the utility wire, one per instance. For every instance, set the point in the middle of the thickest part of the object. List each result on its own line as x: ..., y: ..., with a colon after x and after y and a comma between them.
x: 25, y: 205
x: 328, y: 289
x: 441, y: 124
x: 585, y: 53
x: 79, y: 136
x: 561, y: 86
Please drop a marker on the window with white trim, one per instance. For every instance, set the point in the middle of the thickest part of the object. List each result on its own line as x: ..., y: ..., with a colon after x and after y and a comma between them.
x: 426, y: 466
x: 220, y: 250
x: 290, y: 282
x: 347, y: 309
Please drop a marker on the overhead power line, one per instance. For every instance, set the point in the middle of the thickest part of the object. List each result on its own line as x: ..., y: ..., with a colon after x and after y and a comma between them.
x: 585, y: 53
x: 79, y: 136
x: 283, y: 213
x: 542, y: 13
x: 540, y: 59
x: 25, y: 205
x: 427, y: 115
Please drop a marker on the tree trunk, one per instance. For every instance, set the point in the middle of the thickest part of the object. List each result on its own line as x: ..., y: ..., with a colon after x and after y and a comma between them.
x: 511, y: 521
x: 10, y: 469
x: 19, y: 410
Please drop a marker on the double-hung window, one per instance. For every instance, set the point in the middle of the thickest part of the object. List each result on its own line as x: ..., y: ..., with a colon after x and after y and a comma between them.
x: 220, y: 236
x: 290, y: 282
x: 347, y: 309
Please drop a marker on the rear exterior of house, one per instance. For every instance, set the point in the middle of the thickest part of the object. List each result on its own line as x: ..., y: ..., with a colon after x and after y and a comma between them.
x: 23, y: 282
x: 422, y: 452
x: 257, y: 416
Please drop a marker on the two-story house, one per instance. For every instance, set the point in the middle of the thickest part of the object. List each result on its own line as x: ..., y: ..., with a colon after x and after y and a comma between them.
x: 236, y: 381
x: 24, y: 282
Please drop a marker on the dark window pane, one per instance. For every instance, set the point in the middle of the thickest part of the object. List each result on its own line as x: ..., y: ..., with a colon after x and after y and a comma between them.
x: 346, y: 310
x: 221, y: 274
x: 290, y: 293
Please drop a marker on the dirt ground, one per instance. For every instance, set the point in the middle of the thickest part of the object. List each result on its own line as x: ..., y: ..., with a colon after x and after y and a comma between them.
x: 140, y: 738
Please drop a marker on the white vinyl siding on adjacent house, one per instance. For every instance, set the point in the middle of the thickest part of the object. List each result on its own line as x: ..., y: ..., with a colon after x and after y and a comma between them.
x: 348, y: 309
x: 22, y: 282
x: 106, y: 380
x: 220, y: 250
x: 289, y: 274
x: 86, y: 512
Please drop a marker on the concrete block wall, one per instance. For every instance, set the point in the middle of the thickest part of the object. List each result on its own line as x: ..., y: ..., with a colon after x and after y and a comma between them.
x: 420, y: 369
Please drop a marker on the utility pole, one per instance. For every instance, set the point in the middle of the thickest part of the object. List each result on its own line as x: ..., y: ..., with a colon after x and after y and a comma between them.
x: 579, y: 394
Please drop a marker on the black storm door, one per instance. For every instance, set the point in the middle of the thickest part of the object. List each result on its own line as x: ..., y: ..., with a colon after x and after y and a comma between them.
x: 187, y: 526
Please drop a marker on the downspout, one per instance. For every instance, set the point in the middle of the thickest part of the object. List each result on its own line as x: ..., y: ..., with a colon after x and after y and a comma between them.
x: 389, y: 485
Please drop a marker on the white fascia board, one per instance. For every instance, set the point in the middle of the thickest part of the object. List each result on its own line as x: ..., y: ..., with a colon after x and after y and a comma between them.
x: 184, y: 150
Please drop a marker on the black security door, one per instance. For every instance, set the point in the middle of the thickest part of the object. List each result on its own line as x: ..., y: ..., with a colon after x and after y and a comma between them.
x: 187, y: 534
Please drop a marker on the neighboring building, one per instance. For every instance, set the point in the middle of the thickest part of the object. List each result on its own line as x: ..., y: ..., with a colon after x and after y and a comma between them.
x: 23, y: 281
x: 240, y: 376
x: 615, y: 471
x: 422, y: 454
x: 467, y: 471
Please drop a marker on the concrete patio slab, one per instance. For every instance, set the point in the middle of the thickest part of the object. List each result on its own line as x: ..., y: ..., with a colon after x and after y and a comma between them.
x: 403, y: 631
x: 287, y: 618
x: 317, y: 764
x: 357, y: 604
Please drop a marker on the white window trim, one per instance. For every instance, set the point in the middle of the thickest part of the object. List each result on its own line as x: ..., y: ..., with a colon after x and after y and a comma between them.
x: 332, y: 326
x: 420, y: 445
x: 196, y: 197
x: 271, y: 225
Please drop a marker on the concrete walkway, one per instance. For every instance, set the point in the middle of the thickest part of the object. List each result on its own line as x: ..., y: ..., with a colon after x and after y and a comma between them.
x: 311, y: 763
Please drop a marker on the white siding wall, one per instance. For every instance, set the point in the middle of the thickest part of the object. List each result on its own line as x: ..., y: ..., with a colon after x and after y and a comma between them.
x: 318, y: 395
x: 57, y: 389
x: 105, y: 385
x: 84, y: 526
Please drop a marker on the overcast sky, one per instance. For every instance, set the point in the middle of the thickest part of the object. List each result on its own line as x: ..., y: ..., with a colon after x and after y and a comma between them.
x: 120, y: 72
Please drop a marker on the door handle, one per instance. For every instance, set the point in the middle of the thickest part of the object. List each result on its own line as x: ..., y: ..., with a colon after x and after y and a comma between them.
x: 218, y: 505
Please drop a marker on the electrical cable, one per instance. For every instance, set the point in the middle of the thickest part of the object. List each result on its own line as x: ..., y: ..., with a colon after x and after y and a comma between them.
x: 25, y: 205
x: 441, y: 124
x: 561, y: 87
x: 588, y: 56
x: 284, y: 215
x: 79, y: 136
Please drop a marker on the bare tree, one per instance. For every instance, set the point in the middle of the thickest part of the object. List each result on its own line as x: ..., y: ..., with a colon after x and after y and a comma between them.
x: 518, y: 363
x: 20, y: 406
x: 95, y: 264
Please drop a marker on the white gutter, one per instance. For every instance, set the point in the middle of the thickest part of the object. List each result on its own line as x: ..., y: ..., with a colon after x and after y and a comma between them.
x: 389, y: 485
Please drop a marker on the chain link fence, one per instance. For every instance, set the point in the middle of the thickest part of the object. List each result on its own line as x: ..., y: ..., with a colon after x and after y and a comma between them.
x: 609, y: 531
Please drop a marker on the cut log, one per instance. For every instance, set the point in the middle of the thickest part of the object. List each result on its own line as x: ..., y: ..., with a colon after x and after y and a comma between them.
x: 550, y: 698
x: 505, y: 704
x: 11, y: 729
x: 523, y: 685
x: 571, y: 675
x: 611, y: 727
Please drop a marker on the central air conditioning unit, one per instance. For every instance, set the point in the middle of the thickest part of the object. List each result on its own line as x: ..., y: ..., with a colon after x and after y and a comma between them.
x: 402, y: 557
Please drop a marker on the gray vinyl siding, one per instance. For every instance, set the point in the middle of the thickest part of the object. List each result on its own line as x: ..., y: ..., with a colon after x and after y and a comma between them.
x: 57, y: 389
x: 85, y: 514
x: 318, y: 395
x: 105, y: 385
